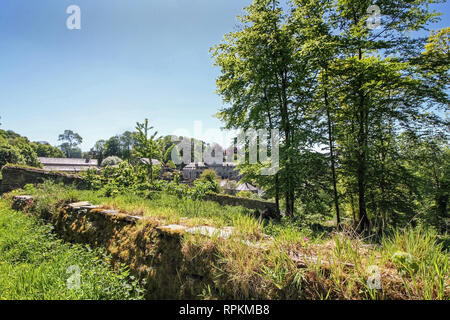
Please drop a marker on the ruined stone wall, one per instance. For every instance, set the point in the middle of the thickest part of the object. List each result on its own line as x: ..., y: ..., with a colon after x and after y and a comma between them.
x: 16, y: 177
x: 228, y: 200
x: 153, y: 251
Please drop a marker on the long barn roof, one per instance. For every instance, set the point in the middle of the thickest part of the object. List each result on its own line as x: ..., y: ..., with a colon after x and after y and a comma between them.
x: 68, y: 164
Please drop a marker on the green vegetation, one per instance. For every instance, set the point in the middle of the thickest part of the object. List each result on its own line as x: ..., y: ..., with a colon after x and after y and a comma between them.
x: 168, y: 205
x: 69, y: 144
x: 296, y: 262
x: 364, y: 160
x: 17, y: 149
x: 111, y: 161
x: 210, y: 177
x: 36, y: 265
x: 248, y: 194
x: 373, y: 98
x: 46, y: 150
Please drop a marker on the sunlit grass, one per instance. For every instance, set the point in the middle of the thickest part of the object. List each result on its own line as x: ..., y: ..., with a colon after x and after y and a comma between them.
x: 34, y: 265
x: 256, y: 261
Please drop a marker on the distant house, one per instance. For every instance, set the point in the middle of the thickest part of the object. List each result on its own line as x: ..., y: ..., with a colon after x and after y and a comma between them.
x: 247, y: 187
x: 225, y: 170
x: 233, y: 187
x: 68, y: 164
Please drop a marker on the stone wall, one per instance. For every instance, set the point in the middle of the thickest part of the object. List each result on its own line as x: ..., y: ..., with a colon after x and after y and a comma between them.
x: 152, y: 250
x: 16, y: 177
x: 228, y: 200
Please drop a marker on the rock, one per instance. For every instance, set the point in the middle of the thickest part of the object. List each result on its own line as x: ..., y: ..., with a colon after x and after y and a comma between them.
x: 23, y: 197
x: 79, y: 205
x: 111, y: 212
x: 20, y: 202
x: 172, y: 228
x: 132, y: 218
x: 211, y: 231
x: 90, y: 207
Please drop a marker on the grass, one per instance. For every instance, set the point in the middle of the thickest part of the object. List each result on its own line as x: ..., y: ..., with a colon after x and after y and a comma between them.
x: 294, y: 262
x: 34, y: 265
x: 169, y: 209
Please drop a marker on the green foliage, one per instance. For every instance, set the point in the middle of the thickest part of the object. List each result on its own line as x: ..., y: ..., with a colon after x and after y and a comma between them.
x: 15, y: 149
x: 171, y: 164
x: 10, y: 154
x: 405, y: 262
x: 336, y: 265
x: 34, y: 265
x: 421, y: 260
x: 111, y: 161
x: 147, y: 147
x: 70, y: 140
x: 248, y: 195
x: 316, y: 71
x: 210, y: 179
x: 48, y: 151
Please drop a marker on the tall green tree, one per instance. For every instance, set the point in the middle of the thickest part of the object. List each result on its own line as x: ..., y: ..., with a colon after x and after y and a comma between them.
x: 268, y: 86
x: 147, y: 146
x: 70, y: 140
x: 379, y: 81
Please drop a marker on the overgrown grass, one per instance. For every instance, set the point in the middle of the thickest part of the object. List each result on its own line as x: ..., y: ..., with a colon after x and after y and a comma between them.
x: 34, y: 265
x: 293, y: 262
x: 419, y: 258
x: 168, y: 209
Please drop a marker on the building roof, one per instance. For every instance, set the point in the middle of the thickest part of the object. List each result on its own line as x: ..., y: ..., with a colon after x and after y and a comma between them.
x: 68, y: 161
x: 194, y: 165
x: 246, y: 187
x: 68, y: 164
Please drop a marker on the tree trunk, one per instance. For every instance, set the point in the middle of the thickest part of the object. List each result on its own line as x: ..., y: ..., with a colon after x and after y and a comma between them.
x: 277, y: 181
x: 332, y: 160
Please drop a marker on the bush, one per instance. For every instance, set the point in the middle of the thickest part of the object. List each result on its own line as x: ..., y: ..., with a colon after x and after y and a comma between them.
x: 210, y: 177
x: 248, y: 195
x: 171, y: 164
x: 10, y: 154
x: 111, y: 161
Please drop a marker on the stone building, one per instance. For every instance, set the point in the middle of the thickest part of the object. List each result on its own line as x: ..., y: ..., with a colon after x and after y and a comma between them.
x: 226, y: 170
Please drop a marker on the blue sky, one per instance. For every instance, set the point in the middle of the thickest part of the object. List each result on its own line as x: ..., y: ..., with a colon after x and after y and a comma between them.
x: 131, y: 60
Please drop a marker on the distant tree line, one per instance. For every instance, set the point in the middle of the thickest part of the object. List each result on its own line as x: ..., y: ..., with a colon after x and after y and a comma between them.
x: 16, y: 149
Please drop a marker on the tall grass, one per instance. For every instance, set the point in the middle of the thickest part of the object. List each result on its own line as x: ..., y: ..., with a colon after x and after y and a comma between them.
x: 422, y: 261
x: 36, y: 265
x: 411, y: 263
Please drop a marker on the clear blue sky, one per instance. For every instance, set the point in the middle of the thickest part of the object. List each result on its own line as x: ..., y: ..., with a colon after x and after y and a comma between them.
x: 131, y: 59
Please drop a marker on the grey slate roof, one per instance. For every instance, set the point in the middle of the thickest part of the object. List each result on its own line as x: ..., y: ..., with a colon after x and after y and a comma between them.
x: 246, y: 187
x: 68, y: 164
x: 194, y: 165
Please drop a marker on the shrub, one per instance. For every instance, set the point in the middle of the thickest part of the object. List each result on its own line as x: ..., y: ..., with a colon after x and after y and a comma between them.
x: 10, y: 154
x: 111, y: 161
x: 248, y: 195
x: 209, y: 175
x: 211, y: 178
x: 171, y: 164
